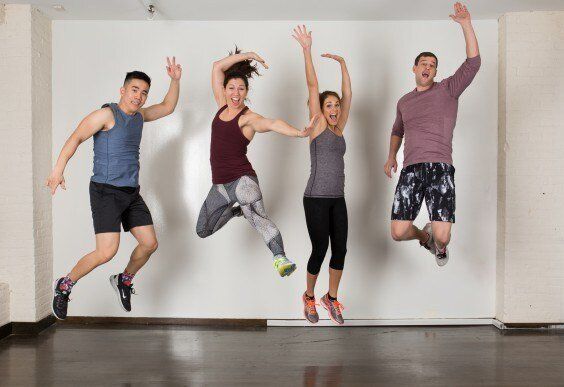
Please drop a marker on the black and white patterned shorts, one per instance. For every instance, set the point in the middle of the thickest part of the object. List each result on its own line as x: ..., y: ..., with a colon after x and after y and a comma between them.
x: 433, y: 182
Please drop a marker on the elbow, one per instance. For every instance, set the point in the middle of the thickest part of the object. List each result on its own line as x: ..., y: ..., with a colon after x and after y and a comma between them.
x: 216, y: 67
x: 169, y: 110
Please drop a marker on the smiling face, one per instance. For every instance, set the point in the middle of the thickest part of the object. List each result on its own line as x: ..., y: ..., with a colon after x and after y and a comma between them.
x: 425, y: 71
x: 235, y: 92
x: 331, y: 109
x: 134, y: 95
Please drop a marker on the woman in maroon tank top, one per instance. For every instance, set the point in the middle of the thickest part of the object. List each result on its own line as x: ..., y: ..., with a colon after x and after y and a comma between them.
x: 233, y: 177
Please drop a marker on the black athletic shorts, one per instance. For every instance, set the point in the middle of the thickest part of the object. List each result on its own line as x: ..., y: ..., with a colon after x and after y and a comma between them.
x: 433, y: 182
x: 114, y: 206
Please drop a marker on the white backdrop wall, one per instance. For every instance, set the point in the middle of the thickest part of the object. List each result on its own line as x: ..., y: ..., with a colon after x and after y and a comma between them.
x: 230, y: 274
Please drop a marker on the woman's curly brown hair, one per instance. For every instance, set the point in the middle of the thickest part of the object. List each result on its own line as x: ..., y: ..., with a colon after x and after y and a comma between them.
x: 244, y: 70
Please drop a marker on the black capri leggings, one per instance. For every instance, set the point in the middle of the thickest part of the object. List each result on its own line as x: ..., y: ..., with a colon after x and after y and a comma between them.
x: 326, y: 219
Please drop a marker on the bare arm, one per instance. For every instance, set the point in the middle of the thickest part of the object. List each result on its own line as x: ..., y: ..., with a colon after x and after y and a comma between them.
x: 346, y: 90
x: 261, y: 124
x: 304, y: 39
x: 219, y: 68
x: 167, y: 106
x: 462, y: 17
x: 90, y: 125
x: 391, y: 163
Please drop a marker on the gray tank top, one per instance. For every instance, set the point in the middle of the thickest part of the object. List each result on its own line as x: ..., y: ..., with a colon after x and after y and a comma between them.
x: 327, y: 178
x: 116, y: 151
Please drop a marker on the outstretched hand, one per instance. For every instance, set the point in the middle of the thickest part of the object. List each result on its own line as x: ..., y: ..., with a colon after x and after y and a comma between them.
x: 53, y: 181
x: 173, y: 70
x: 461, y: 14
x: 302, y: 36
x: 312, y: 124
x: 334, y: 57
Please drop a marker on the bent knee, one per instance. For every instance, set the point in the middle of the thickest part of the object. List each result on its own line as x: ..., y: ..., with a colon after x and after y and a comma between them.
x: 399, y: 231
x: 443, y: 239
x: 398, y: 234
x: 150, y: 246
x: 105, y: 254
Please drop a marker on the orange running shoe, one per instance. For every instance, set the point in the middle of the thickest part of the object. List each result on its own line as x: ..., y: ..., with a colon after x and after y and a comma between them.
x: 310, y: 313
x: 334, y: 308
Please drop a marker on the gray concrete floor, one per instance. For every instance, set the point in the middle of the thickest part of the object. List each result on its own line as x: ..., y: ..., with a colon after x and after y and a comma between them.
x: 391, y: 356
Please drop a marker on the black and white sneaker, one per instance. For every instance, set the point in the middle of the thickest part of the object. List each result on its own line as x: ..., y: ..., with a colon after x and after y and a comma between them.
x: 441, y: 257
x: 123, y: 291
x: 60, y: 300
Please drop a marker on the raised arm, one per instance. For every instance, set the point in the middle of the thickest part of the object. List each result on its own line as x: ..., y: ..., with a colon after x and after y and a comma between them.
x: 465, y: 74
x: 219, y: 68
x: 261, y: 124
x: 167, y: 106
x: 93, y: 123
x: 304, y: 39
x: 346, y: 90
x: 462, y: 17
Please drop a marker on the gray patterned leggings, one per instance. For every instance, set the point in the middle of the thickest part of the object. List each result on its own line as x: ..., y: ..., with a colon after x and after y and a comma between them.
x: 217, y: 210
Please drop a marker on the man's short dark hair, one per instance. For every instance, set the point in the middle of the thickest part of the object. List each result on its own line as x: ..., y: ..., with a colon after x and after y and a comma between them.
x: 137, y: 75
x: 427, y: 54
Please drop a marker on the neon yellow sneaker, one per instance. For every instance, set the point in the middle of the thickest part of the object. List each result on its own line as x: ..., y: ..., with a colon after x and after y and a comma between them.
x: 284, y: 266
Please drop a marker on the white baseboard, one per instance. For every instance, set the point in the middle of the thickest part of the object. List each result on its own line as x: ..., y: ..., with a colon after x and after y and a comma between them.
x: 394, y: 322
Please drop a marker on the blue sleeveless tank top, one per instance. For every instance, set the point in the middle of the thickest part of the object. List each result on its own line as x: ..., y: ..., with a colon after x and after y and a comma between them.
x: 116, y: 151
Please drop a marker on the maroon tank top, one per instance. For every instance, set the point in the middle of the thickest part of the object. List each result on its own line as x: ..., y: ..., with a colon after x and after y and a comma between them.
x: 228, y: 153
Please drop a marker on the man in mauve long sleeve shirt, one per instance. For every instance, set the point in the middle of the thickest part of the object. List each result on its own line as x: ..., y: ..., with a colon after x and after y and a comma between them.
x: 426, y: 118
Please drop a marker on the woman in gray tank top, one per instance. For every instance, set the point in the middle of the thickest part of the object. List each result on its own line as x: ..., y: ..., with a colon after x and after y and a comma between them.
x: 324, y: 196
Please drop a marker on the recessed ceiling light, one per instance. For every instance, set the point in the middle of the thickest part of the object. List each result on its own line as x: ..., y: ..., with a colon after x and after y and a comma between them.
x: 59, y: 7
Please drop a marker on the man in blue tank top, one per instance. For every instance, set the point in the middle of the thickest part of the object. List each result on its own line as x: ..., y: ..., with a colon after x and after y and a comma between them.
x: 114, y: 187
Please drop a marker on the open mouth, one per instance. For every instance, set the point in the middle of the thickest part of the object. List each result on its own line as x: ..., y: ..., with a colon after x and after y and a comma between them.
x: 235, y: 100
x: 333, y: 117
x: 425, y: 75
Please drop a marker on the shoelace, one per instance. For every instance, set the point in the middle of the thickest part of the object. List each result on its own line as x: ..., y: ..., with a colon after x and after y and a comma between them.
x: 310, y: 306
x: 337, y: 305
x: 441, y: 254
x: 129, y: 289
x: 62, y: 298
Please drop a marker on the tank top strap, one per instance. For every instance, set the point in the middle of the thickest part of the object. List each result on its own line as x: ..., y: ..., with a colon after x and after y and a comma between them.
x: 242, y: 112
x: 221, y: 109
x: 118, y: 119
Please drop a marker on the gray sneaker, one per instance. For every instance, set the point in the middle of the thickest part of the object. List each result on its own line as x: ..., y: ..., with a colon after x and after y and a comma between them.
x: 441, y: 257
x: 310, y: 312
x: 430, y: 244
x: 334, y: 308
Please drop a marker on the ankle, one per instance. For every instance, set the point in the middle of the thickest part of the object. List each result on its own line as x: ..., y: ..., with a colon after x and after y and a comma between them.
x: 127, y: 278
x: 66, y: 284
x: 440, y: 249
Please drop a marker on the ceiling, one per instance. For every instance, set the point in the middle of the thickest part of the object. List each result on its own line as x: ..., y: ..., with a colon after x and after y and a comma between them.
x: 282, y: 9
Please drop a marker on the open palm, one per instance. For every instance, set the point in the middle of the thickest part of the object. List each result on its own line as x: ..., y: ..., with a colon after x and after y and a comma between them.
x: 302, y: 36
x: 461, y: 14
